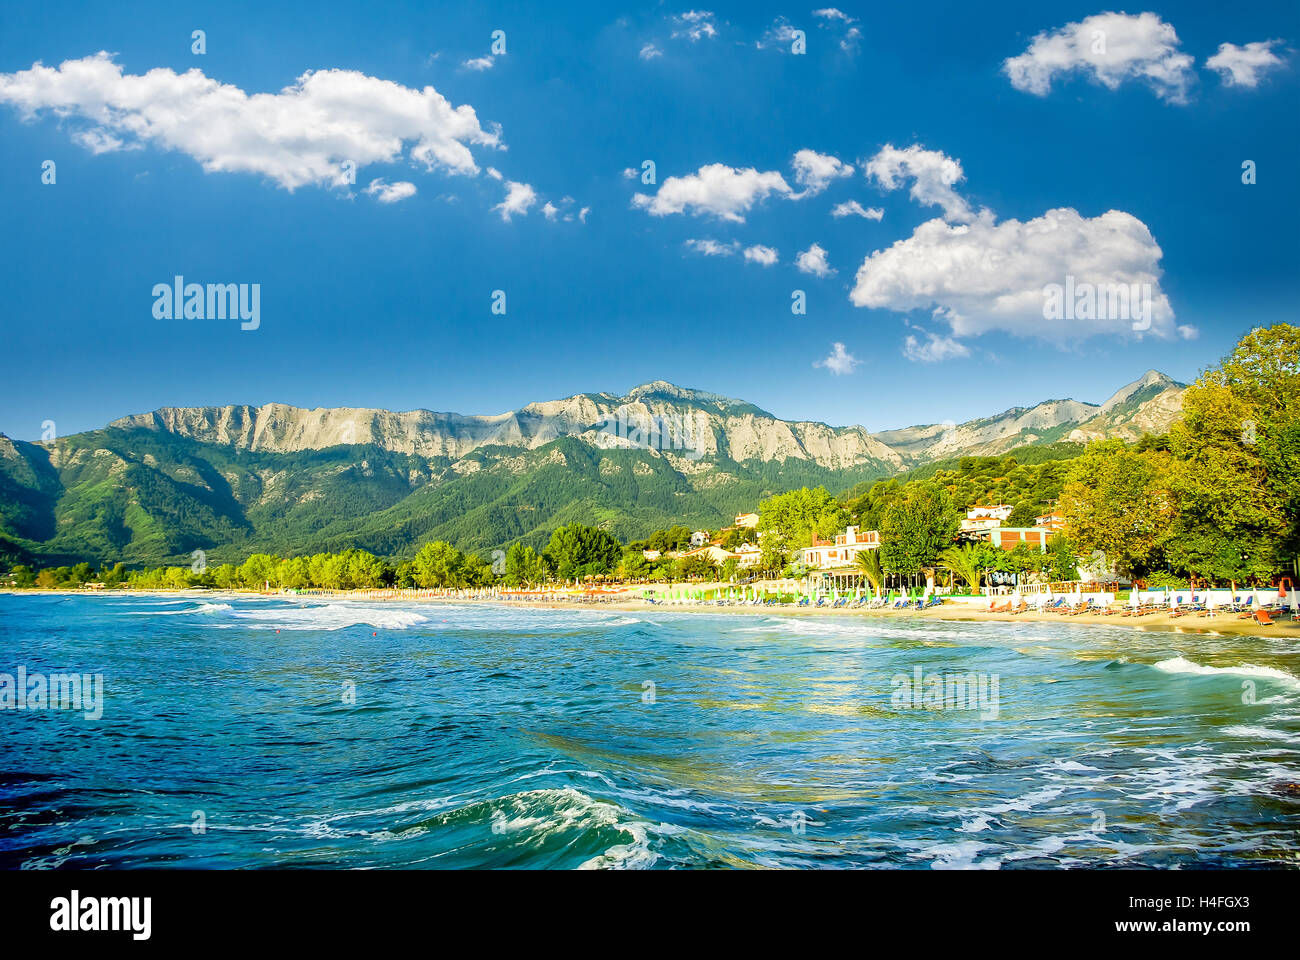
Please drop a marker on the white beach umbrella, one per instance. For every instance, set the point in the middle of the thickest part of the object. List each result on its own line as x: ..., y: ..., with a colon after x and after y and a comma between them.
x: 1134, y: 598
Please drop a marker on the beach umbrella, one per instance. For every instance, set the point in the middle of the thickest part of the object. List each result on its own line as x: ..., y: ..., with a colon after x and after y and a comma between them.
x: 1134, y: 598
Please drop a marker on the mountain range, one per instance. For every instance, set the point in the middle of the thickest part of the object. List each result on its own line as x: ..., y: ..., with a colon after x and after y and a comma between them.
x: 232, y: 480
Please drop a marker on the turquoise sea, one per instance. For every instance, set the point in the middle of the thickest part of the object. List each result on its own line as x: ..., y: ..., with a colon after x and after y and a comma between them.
x: 245, y: 732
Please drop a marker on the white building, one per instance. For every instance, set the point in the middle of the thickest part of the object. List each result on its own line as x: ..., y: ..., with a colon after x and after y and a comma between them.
x: 843, y: 551
x: 699, y: 538
x: 985, y: 517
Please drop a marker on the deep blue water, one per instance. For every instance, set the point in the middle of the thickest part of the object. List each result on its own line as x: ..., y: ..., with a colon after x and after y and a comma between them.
x: 489, y: 737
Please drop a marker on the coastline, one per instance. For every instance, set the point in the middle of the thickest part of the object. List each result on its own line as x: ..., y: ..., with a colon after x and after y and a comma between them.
x: 1227, y: 624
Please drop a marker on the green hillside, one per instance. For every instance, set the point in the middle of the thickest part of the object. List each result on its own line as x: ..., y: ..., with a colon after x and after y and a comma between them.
x: 151, y: 497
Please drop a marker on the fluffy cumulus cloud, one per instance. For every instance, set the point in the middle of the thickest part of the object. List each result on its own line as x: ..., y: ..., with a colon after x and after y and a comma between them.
x: 851, y: 208
x: 729, y: 193
x: 831, y: 14
x: 761, y: 254
x: 717, y: 190
x: 779, y: 36
x: 390, y: 192
x: 839, y: 361
x: 305, y: 134
x: 520, y: 197
x: 986, y: 276
x: 814, y: 171
x: 712, y: 248
x: 932, y: 173
x: 933, y: 349
x: 650, y: 51
x: 1245, y: 66
x: 835, y: 19
x: 1109, y: 47
x: 479, y: 64
x: 694, y: 25
x: 813, y: 260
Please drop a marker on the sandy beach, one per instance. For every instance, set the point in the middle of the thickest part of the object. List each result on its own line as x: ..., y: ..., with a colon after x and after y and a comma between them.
x: 1224, y: 624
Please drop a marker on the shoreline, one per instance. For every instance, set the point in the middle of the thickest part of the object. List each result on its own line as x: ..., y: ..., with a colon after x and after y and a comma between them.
x: 1227, y: 624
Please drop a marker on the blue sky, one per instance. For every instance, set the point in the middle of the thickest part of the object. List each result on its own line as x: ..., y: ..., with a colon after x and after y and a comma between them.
x: 388, y: 304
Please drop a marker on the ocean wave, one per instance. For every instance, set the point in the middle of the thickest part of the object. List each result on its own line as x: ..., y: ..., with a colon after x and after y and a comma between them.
x: 540, y: 813
x: 1249, y: 732
x: 1181, y: 665
x: 332, y: 616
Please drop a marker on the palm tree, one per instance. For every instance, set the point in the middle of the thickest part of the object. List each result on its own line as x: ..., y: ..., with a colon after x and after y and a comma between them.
x: 963, y: 562
x: 868, y: 561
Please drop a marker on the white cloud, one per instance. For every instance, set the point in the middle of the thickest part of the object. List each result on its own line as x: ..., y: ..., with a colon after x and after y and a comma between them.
x: 301, y: 135
x: 718, y: 190
x: 550, y: 211
x: 934, y: 349
x: 851, y: 208
x: 694, y: 25
x: 630, y: 173
x: 650, y: 51
x: 834, y: 18
x: 813, y: 260
x: 582, y: 214
x: 712, y: 248
x: 839, y: 361
x: 761, y: 254
x: 932, y: 173
x: 494, y: 173
x: 986, y: 276
x: 101, y: 141
x: 519, y: 198
x: 779, y: 36
x: 1110, y: 47
x: 390, y: 192
x: 479, y: 63
x: 1244, y: 66
x: 815, y: 171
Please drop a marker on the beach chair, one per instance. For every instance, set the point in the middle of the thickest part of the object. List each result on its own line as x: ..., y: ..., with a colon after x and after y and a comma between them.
x: 1263, y: 616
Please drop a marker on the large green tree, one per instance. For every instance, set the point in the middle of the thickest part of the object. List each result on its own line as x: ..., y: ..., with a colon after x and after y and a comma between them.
x: 577, y: 550
x: 794, y: 518
x: 916, y: 528
x: 1118, y: 500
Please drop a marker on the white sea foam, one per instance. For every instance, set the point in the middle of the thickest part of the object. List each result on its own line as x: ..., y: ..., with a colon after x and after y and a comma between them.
x: 332, y: 616
x: 1248, y: 732
x: 213, y: 607
x: 1185, y: 666
x: 542, y: 812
